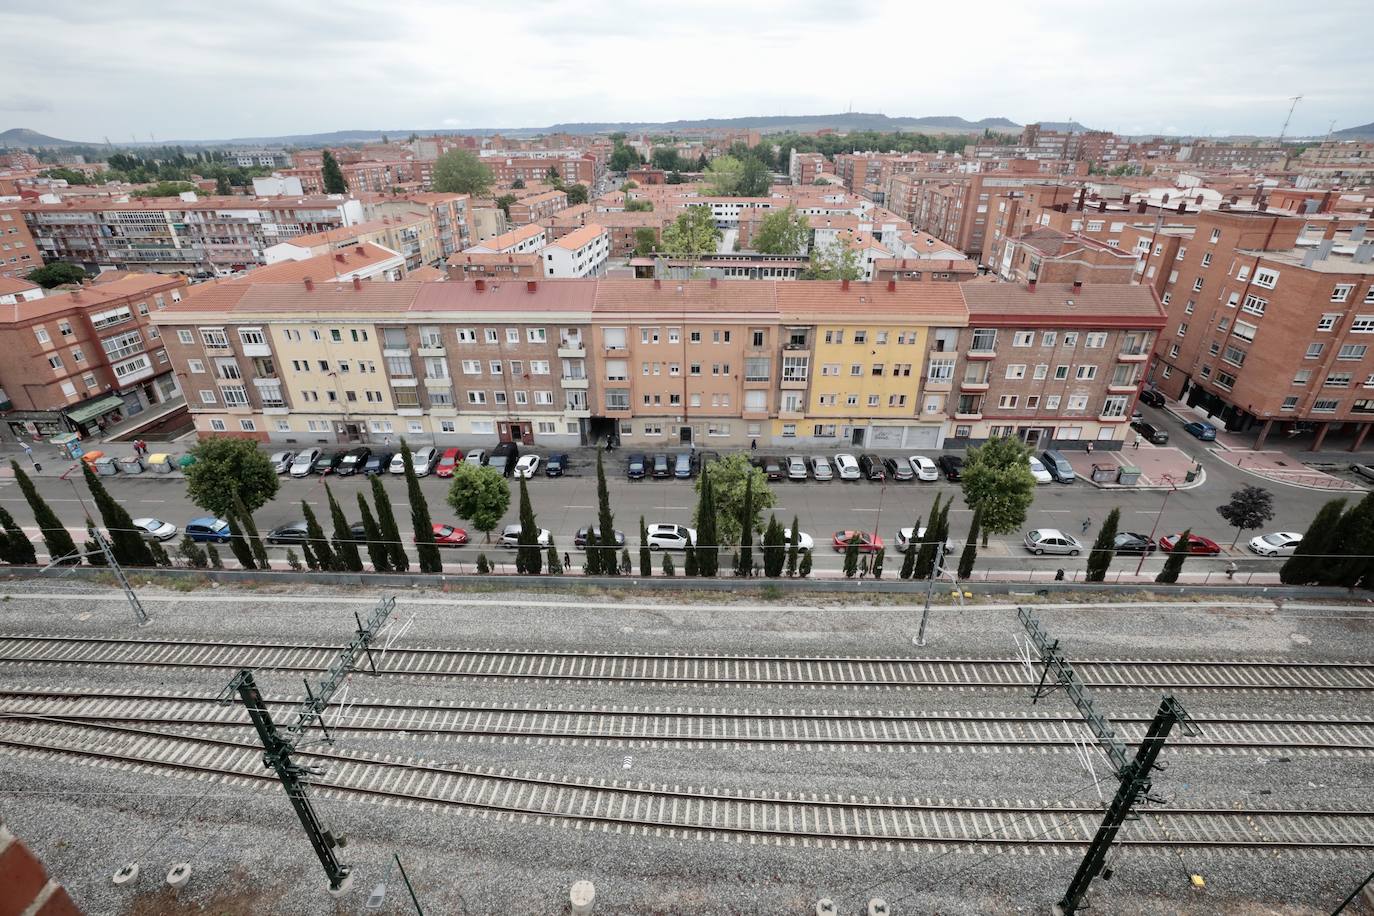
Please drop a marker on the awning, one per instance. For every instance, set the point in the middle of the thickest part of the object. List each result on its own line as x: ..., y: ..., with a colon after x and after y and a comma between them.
x: 95, y: 409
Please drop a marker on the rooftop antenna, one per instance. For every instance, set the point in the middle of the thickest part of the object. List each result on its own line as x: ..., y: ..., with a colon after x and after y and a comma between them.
x: 1295, y: 100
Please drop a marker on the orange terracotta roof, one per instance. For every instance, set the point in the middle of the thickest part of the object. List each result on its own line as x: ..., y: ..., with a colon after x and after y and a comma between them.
x: 11, y: 285
x: 512, y: 238
x: 579, y: 237
x: 686, y: 296
x: 322, y: 267
x: 1092, y: 304
x: 805, y: 300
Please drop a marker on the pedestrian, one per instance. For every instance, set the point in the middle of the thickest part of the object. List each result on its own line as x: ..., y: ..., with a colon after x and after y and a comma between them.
x: 753, y: 445
x: 1087, y: 523
x: 1136, y: 444
x: 1231, y: 569
x: 1090, y: 448
x: 567, y: 561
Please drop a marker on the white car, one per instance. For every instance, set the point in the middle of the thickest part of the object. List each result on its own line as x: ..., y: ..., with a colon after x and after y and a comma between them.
x: 906, y: 540
x: 510, y: 536
x: 421, y: 459
x: 305, y: 462
x: 820, y: 468
x: 155, y: 528
x: 671, y: 537
x: 1038, y: 470
x: 804, y: 541
x: 847, y: 466
x: 796, y: 467
x: 282, y: 461
x: 477, y: 457
x: 1052, y: 540
x: 527, y: 466
x: 1278, y: 544
x: 925, y: 468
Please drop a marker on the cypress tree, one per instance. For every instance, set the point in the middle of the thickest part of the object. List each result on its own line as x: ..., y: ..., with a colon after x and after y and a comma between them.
x: 386, y: 522
x: 909, y: 559
x: 690, y: 565
x: 345, y: 548
x: 376, y: 550
x: 94, y: 555
x: 237, y: 542
x: 626, y: 567
x: 192, y: 553
x: 668, y: 569
x: 159, y: 554
x: 646, y: 561
x: 1174, y: 564
x: 483, y: 564
x: 878, y: 559
x: 925, y: 557
x: 332, y: 175
x: 745, y: 565
x: 430, y: 561
x: 774, y: 549
x: 250, y: 530
x: 213, y: 554
x: 605, y: 522
x: 851, y: 557
x: 793, y: 546
x: 1354, y: 543
x: 708, y: 541
x: 591, y: 565
x: 18, y: 548
x: 315, y: 541
x: 1104, y: 548
x: 970, y: 554
x: 528, y: 559
x: 804, y: 569
x: 554, y: 561
x: 126, y: 542
x: 1312, y: 558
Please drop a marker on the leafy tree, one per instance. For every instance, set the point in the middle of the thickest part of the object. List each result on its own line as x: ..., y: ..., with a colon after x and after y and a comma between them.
x: 748, y: 520
x: 666, y: 158
x: 878, y: 559
x: 376, y: 550
x: 553, y: 561
x: 623, y: 158
x: 70, y: 176
x: 701, y: 164
x: 723, y: 175
x: 250, y: 531
x: 1250, y: 507
x: 528, y: 560
x: 56, y: 538
x: 1174, y: 564
x: 692, y: 234
x: 386, y: 523
x: 628, y: 185
x: 332, y: 175
x: 225, y: 468
x: 127, y: 543
x: 774, y: 549
x: 997, y: 479
x: 970, y: 553
x: 804, y: 569
x: 192, y: 553
x: 646, y: 560
x: 238, y: 544
x: 729, y: 477
x: 755, y: 178
x: 1104, y: 548
x: 646, y: 241
x: 793, y: 547
x: 56, y: 274
x: 518, y: 184
x: 851, y: 557
x: 605, y: 521
x: 430, y: 561
x: 1355, y: 544
x: 504, y: 203
x: 15, y: 546
x: 668, y: 569
x: 316, y: 543
x: 165, y: 189
x: 553, y: 176
x: 836, y: 261
x: 345, y: 548
x: 461, y: 172
x: 783, y: 232
x: 480, y: 496
x: 908, y: 569
x: 674, y: 177
x: 577, y: 194
x: 639, y: 205
x: 222, y: 186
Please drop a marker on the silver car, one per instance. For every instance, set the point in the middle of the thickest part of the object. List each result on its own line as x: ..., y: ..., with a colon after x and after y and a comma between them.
x: 281, y: 461
x: 796, y: 467
x: 1052, y: 540
x: 820, y: 468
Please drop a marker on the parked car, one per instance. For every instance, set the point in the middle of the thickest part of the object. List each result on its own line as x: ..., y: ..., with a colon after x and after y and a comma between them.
x: 290, y: 533
x: 327, y: 463
x: 872, y: 467
x: 952, y: 466
x: 906, y: 539
x: 449, y: 535
x: 447, y: 462
x: 1151, y: 396
x: 1131, y: 542
x: 898, y: 470
x: 527, y: 466
x: 665, y: 536
x: 305, y: 462
x: 580, y: 539
x: 1150, y: 432
x: 510, y: 536
x: 820, y: 468
x: 847, y: 467
x: 1278, y: 544
x: 1052, y: 540
x: 925, y: 468
x: 636, y: 467
x: 156, y: 529
x: 352, y: 461
x: 1198, y: 546
x: 1200, y: 429
x: 504, y: 457
x: 661, y: 468
x: 772, y: 467
x: 804, y: 541
x: 706, y: 457
x: 377, y: 463
x: 208, y: 528
x: 476, y: 457
x: 683, y: 466
x: 282, y: 461
x: 422, y: 460
x: 556, y: 466
x: 1058, y: 466
x: 869, y: 542
x: 796, y: 467
x: 1038, y: 470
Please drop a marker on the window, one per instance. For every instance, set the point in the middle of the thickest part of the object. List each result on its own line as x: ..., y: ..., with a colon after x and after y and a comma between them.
x: 214, y: 337
x: 940, y: 370
x: 208, y: 397
x: 856, y: 369
x: 1235, y: 356
x: 617, y: 370
x: 1290, y: 403
x: 494, y: 366
x: 1325, y: 405
x: 1302, y: 377
x: 1266, y: 278
x: 718, y: 429
x: 1182, y: 329
x: 1314, y: 350
x: 860, y: 337
x: 1023, y: 339
x: 1173, y: 351
x: 1086, y: 373
x: 1070, y: 339
x: 1197, y: 285
x: 1169, y: 297
x: 795, y: 368
x: 878, y: 369
x: 235, y: 395
x: 1328, y: 321
x: 537, y: 335
x: 872, y: 400
x: 522, y: 397
x: 539, y: 367
x: 467, y: 335
x: 491, y: 337
x: 1214, y: 348
x: 756, y: 340
x: 1114, y: 406
x: 399, y: 366
x: 1016, y: 371
x: 1041, y: 371
x: 1337, y: 380
x: 217, y: 426
x: 1008, y: 401
x: 695, y: 337
x: 1206, y: 372
x: 984, y: 339
x: 498, y: 397
x: 470, y: 366
x: 185, y: 336
x: 407, y: 397
x: 477, y: 397
x: 1244, y: 330
x: 618, y: 399
x: 1254, y: 304
x: 1352, y: 351
x: 1369, y: 295
x: 1077, y: 402
x: 1095, y: 340
x: 55, y: 361
x: 1223, y: 323
x: 1362, y: 324
x: 835, y: 337
x: 1049, y: 338
x: 756, y: 369
x: 1216, y: 234
x: 1341, y: 292
x: 1061, y: 373
x: 1232, y: 300
x: 1206, y: 259
x: 247, y: 426
x: 512, y: 335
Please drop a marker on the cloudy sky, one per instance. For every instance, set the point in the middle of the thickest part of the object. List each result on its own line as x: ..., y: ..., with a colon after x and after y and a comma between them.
x: 188, y: 70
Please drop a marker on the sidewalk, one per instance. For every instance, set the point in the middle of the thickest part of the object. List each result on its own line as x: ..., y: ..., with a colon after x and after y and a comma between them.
x: 1160, y: 465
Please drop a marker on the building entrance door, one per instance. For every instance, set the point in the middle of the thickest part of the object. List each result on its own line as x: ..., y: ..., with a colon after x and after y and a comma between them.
x: 684, y: 435
x: 856, y: 436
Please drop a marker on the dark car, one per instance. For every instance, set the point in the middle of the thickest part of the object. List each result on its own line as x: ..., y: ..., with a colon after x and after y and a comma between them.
x: 683, y: 465
x: 290, y: 533
x: 1152, y: 397
x: 1150, y: 432
x: 327, y: 462
x: 1130, y: 542
x: 504, y: 457
x: 772, y: 467
x: 208, y: 528
x: 635, y: 467
x: 580, y: 539
x: 706, y: 457
x: 1199, y: 429
x: 897, y: 470
x: 952, y: 466
x: 556, y: 466
x: 353, y: 461
x: 661, y: 466
x: 376, y: 463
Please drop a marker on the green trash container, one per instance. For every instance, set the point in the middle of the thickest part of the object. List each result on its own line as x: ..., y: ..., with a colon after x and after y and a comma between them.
x: 1190, y: 476
x: 1128, y: 476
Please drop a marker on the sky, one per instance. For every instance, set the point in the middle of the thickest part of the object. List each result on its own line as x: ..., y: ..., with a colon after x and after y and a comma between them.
x: 198, y: 71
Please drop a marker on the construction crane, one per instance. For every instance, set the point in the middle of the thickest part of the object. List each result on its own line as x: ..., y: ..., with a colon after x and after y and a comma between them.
x: 1295, y: 100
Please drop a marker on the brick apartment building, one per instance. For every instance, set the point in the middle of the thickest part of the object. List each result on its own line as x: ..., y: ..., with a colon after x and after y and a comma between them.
x: 466, y: 265
x: 409, y: 233
x: 528, y: 239
x: 802, y: 168
x: 573, y: 166
x: 533, y: 208
x: 1051, y: 256
x: 18, y: 253
x: 81, y: 356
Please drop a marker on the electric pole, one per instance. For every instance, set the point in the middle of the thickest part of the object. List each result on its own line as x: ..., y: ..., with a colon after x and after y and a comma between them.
x: 140, y: 615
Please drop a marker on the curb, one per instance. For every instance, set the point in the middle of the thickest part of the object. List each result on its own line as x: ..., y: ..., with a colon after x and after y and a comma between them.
x: 1298, y: 486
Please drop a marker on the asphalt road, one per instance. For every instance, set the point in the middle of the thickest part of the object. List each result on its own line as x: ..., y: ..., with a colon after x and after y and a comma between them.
x: 565, y: 504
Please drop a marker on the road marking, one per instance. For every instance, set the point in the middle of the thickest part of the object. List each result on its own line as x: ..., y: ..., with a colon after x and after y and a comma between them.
x: 579, y: 507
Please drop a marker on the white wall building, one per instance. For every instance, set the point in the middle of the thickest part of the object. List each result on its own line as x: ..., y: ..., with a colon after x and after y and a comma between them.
x: 581, y: 253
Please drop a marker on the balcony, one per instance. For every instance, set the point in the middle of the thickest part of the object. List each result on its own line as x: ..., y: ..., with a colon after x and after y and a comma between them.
x: 431, y: 351
x: 966, y: 385
x: 255, y: 349
x: 574, y: 382
x: 613, y: 352
x: 1127, y: 388
x: 1136, y: 355
x: 794, y: 384
x: 577, y: 413
x: 792, y: 347
x: 572, y: 349
x: 1112, y: 418
x: 980, y: 354
x: 786, y: 414
x: 968, y: 416
x: 939, y: 385
x: 389, y: 351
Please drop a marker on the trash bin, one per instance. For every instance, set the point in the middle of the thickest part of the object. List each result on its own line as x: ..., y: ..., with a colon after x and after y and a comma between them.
x: 161, y: 463
x: 1128, y: 476
x: 132, y: 464
x: 1104, y: 473
x: 106, y: 466
x: 1190, y: 476
x: 186, y: 460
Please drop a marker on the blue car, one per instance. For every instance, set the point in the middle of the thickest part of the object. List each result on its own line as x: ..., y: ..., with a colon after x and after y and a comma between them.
x: 208, y: 528
x: 1204, y: 431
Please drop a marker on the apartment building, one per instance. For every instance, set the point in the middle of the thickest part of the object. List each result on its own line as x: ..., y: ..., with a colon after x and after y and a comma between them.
x: 204, y: 235
x: 364, y: 261
x: 1270, y: 327
x: 1212, y: 154
x: 78, y: 358
x: 1053, y: 364
x: 1051, y: 256
x: 525, y: 240
x: 535, y: 207
x: 1342, y: 163
x: 409, y: 233
x: 449, y: 214
x: 802, y: 168
x: 573, y: 166
x: 18, y: 253
x: 469, y: 266
x: 581, y: 253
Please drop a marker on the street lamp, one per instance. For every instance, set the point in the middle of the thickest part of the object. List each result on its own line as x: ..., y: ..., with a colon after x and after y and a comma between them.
x: 1170, y: 481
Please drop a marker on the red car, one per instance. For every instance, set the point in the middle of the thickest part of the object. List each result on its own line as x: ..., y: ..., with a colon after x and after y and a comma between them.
x: 1198, y: 546
x: 447, y: 463
x: 449, y: 536
x: 868, y: 541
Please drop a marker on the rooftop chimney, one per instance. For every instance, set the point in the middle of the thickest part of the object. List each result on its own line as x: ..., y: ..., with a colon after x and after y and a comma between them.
x: 891, y: 286
x: 1140, y: 207
x: 1101, y: 206
x: 1324, y: 248
x: 339, y: 256
x: 1182, y: 206
x: 1077, y: 285
x: 844, y: 285
x: 481, y: 285
x: 357, y: 282
x: 1030, y: 285
x: 359, y: 250
x: 1364, y: 253
x: 1331, y: 228
x: 531, y: 285
x: 309, y: 285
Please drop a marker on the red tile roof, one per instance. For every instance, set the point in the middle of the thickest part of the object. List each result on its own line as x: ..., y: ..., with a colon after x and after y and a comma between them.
x: 929, y: 302
x: 686, y: 297
x: 579, y: 237
x: 11, y: 285
x: 1093, y: 304
x: 322, y: 267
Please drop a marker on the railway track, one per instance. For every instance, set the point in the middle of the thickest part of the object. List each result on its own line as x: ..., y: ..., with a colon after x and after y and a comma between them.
x: 695, y: 727
x: 795, y: 819
x: 724, y: 670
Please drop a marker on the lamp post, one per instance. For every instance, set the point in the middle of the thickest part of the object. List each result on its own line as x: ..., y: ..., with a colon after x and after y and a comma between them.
x: 1170, y: 480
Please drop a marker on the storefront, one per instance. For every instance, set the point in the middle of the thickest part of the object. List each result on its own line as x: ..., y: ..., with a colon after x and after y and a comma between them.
x: 93, y: 416
x: 28, y: 425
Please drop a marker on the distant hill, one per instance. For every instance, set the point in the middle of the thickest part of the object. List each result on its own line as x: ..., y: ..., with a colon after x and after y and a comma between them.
x: 847, y: 121
x: 1064, y: 126
x: 23, y: 138
x: 1363, y: 132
